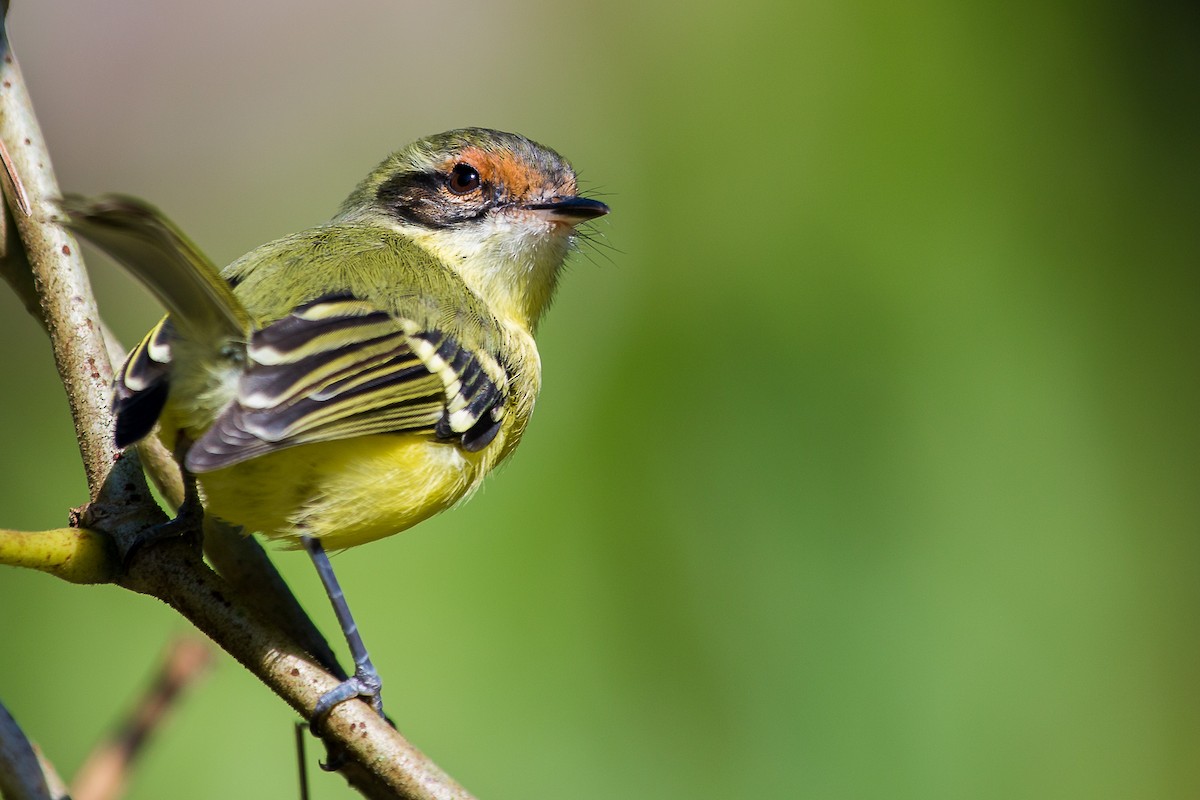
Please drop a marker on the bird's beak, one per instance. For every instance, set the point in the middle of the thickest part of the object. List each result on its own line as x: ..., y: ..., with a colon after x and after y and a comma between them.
x: 571, y: 210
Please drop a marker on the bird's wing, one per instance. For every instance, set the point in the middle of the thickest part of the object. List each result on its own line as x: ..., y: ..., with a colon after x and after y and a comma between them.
x: 140, y: 388
x: 339, y: 367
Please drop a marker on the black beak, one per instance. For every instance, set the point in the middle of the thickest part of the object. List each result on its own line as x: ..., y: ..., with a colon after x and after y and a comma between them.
x: 571, y: 210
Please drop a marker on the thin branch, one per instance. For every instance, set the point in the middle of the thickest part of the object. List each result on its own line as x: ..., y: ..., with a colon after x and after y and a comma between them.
x: 302, y: 758
x: 105, y: 772
x: 58, y: 788
x: 78, y: 555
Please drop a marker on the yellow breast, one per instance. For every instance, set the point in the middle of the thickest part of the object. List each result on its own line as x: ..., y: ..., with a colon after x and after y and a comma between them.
x: 345, y: 492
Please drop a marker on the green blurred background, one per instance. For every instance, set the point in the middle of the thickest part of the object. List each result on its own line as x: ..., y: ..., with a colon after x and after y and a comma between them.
x: 866, y: 464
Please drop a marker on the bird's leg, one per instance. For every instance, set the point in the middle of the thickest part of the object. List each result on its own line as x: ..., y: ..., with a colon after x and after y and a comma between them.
x: 191, y: 510
x: 365, y: 682
x: 188, y: 519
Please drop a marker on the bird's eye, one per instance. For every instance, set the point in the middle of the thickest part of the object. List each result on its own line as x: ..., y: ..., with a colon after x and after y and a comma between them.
x: 463, y: 178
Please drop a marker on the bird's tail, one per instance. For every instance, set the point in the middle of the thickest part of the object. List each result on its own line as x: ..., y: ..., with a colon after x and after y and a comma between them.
x: 158, y: 254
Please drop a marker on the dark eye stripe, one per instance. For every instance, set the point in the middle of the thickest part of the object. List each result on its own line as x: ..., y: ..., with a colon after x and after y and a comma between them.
x: 424, y: 199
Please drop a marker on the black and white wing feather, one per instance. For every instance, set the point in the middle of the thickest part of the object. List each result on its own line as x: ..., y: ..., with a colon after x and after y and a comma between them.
x: 140, y: 390
x: 339, y: 367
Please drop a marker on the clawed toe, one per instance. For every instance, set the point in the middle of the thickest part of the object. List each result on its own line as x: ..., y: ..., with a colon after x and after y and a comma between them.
x: 363, y: 684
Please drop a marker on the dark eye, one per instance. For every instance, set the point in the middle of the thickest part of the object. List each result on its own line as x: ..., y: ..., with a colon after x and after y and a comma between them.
x: 463, y: 178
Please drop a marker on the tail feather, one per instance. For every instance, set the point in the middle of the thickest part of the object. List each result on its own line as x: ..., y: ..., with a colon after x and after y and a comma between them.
x: 157, y: 253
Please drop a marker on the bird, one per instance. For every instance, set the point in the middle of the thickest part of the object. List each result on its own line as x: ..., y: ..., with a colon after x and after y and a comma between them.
x: 346, y: 382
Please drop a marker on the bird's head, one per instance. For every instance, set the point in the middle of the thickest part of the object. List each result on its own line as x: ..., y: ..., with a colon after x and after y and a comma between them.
x: 498, y: 208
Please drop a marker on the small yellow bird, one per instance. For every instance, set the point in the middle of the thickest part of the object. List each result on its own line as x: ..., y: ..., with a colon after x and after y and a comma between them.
x: 348, y: 381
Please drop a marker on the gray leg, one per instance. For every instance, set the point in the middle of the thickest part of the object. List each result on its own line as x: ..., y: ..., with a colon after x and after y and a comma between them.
x: 366, y: 682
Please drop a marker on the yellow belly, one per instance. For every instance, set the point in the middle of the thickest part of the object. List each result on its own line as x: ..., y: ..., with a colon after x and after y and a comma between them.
x: 345, y: 492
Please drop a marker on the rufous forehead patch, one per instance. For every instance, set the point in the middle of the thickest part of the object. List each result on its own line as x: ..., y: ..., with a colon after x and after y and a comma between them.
x: 516, y: 175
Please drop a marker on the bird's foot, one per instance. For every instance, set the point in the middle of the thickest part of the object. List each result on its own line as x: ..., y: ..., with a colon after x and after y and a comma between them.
x: 366, y: 683
x: 188, y: 522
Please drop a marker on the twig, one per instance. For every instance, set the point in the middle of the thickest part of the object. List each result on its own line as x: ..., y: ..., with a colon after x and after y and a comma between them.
x: 302, y: 758
x: 105, y: 772
x: 78, y: 555
x: 58, y: 788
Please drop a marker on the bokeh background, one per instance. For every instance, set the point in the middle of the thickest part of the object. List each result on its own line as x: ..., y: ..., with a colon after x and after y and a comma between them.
x: 867, y: 461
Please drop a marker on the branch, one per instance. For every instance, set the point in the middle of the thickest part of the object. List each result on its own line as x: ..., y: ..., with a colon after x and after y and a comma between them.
x: 242, y: 561
x: 389, y: 766
x: 64, y: 292
x: 105, y: 773
x: 78, y: 555
x: 381, y: 763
